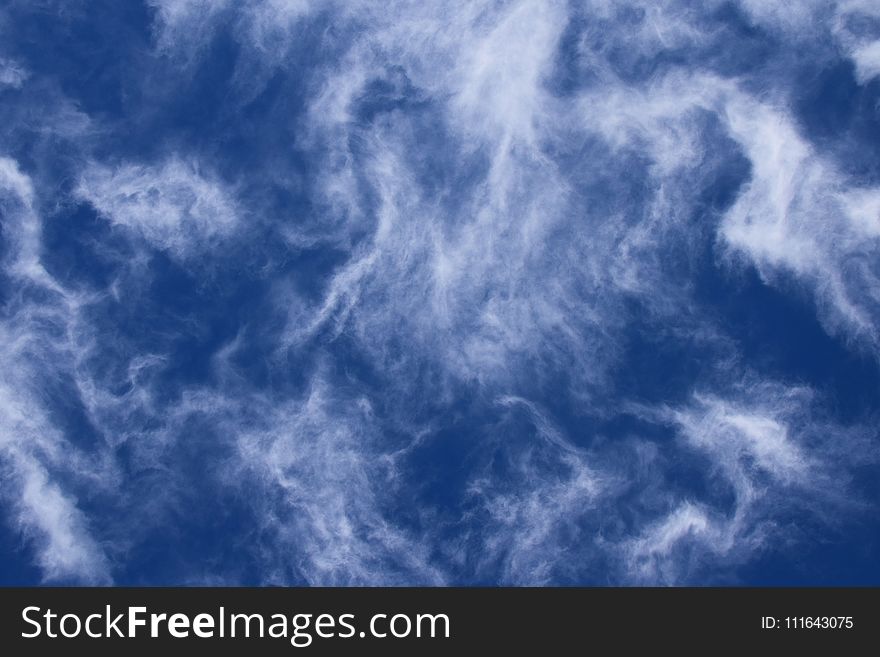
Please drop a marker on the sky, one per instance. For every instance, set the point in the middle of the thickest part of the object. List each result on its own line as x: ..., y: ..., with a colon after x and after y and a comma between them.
x: 485, y: 292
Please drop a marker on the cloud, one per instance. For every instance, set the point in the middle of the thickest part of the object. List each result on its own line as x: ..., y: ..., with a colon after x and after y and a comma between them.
x: 751, y: 435
x: 33, y: 451
x: 799, y: 214
x: 856, y: 27
x: 318, y: 467
x: 769, y: 445
x: 794, y: 199
x: 656, y: 555
x: 269, y: 24
x: 45, y: 514
x: 183, y: 27
x: 479, y: 281
x: 530, y: 513
x: 12, y: 74
x: 173, y: 206
x: 18, y: 199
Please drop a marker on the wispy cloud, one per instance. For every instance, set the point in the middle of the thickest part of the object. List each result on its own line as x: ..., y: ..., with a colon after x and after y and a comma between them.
x: 322, y: 492
x: 173, y: 206
x: 34, y: 452
x: 12, y: 74
x: 767, y: 443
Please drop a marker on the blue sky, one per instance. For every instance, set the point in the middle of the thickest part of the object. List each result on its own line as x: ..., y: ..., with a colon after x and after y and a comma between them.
x: 466, y: 293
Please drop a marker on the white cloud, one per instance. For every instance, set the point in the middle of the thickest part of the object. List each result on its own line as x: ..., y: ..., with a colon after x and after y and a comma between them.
x: 532, y: 513
x: 481, y: 288
x: 173, y: 206
x: 867, y: 61
x: 797, y: 214
x: 800, y: 215
x: 321, y: 489
x: 771, y: 446
x: 738, y: 435
x: 270, y: 23
x: 12, y: 74
x: 498, y: 75
x: 863, y: 47
x: 22, y: 224
x: 652, y: 555
x: 182, y: 27
x: 45, y: 514
x: 32, y: 449
x: 789, y: 17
